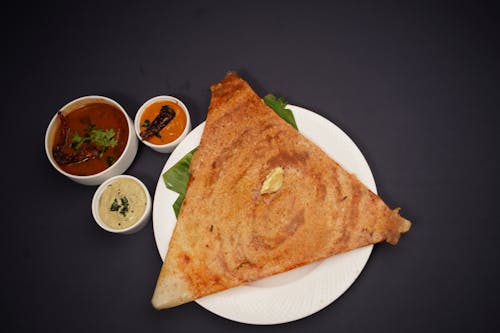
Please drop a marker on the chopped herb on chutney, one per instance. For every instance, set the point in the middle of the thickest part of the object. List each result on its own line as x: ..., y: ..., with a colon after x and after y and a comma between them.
x: 115, y: 206
x: 121, y: 208
x: 122, y: 203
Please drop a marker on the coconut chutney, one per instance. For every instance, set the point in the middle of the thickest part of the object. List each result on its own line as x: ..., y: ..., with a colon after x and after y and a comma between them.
x: 122, y: 203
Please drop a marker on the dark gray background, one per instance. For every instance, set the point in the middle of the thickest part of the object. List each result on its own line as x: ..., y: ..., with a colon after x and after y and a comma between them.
x: 414, y: 85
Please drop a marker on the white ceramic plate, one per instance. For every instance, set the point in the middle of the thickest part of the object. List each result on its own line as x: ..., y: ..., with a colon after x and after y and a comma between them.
x: 295, y: 294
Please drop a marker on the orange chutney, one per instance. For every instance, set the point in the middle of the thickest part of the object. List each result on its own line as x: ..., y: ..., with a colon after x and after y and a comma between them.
x: 172, y: 130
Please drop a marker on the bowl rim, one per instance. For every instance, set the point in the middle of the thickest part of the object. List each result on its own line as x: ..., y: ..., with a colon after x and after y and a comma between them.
x: 97, y: 196
x: 152, y: 100
x: 68, y: 105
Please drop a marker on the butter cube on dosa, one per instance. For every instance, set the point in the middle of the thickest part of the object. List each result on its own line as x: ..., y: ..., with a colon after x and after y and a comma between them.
x: 230, y: 232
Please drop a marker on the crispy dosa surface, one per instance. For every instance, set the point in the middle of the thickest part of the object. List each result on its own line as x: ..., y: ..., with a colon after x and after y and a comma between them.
x: 228, y: 233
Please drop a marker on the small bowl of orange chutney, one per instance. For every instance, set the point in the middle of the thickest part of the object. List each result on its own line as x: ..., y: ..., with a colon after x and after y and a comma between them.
x: 90, y: 140
x: 162, y: 122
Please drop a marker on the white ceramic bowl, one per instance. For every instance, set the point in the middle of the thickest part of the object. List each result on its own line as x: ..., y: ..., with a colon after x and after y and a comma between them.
x: 143, y: 220
x: 121, y: 164
x: 169, y: 147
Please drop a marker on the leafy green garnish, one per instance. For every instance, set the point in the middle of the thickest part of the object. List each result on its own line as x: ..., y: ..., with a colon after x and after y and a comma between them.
x: 98, y: 136
x: 279, y: 106
x: 114, y: 206
x: 146, y: 123
x: 176, y: 178
x: 121, y: 208
x: 103, y: 138
x: 124, y: 207
x: 77, y: 140
x: 110, y: 160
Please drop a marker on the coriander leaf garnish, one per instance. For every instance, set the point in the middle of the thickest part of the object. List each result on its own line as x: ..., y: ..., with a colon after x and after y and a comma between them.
x: 110, y: 160
x: 77, y: 140
x: 114, y: 206
x: 90, y: 128
x: 121, y: 207
x: 124, y: 207
x: 103, y: 138
x: 146, y: 123
x: 99, y: 137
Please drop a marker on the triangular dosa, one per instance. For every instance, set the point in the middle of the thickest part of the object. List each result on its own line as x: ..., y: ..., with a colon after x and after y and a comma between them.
x: 228, y: 233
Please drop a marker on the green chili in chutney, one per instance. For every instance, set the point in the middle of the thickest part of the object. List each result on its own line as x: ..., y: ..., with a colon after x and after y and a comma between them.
x: 90, y: 139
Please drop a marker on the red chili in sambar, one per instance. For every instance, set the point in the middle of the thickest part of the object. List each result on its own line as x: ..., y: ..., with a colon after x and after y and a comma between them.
x: 90, y: 139
x: 172, y: 130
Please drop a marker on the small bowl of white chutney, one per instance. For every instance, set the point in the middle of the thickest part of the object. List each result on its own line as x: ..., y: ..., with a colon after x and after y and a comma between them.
x: 122, y: 204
